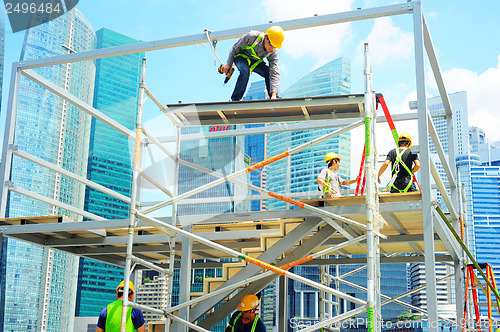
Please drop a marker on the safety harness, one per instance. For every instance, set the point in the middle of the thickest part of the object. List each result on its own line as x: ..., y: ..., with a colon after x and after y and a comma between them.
x: 254, y: 325
x: 253, y: 55
x: 395, y: 171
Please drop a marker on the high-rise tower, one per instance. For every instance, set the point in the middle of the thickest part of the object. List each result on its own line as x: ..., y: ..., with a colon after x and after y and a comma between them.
x: 330, y: 79
x: 2, y: 50
x: 116, y: 94
x: 37, y: 285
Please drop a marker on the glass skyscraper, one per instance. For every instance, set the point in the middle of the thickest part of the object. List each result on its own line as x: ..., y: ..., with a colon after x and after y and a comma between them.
x: 486, y: 210
x: 255, y: 145
x: 116, y: 94
x: 2, y: 50
x: 37, y: 285
x: 464, y: 161
x: 225, y: 155
x: 331, y: 79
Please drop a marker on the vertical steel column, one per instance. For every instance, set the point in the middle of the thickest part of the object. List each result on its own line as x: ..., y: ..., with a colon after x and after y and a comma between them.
x: 185, y: 280
x: 283, y: 304
x: 322, y: 295
x: 288, y: 176
x: 8, y: 140
x: 425, y: 173
x: 370, y: 197
x: 133, y: 199
x: 175, y: 191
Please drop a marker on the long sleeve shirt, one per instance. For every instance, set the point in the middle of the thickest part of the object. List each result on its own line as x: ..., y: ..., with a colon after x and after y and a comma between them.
x: 272, y: 57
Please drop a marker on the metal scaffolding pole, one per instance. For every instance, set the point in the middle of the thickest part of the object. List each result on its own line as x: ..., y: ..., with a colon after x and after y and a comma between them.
x: 133, y: 202
x: 371, y: 197
x: 422, y: 38
x: 8, y: 139
x: 425, y: 171
x: 248, y: 169
x: 248, y: 259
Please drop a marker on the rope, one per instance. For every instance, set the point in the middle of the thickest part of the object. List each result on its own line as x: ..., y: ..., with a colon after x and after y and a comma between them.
x: 213, y: 45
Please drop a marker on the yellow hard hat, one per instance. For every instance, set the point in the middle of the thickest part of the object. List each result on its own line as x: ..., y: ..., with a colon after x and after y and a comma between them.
x: 275, y: 35
x: 331, y: 155
x: 248, y: 302
x: 405, y: 137
x: 122, y: 285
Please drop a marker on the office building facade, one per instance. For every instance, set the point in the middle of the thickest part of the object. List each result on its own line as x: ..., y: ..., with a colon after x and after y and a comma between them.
x: 485, y: 181
x: 332, y: 78
x: 38, y: 286
x: 255, y: 145
x: 304, y: 305
x: 488, y: 151
x: 224, y: 155
x: 110, y: 162
x: 464, y: 161
x: 2, y: 50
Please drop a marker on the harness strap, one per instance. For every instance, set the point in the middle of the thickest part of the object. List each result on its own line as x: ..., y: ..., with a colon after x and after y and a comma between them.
x: 395, y: 171
x: 254, y: 325
x: 254, y: 54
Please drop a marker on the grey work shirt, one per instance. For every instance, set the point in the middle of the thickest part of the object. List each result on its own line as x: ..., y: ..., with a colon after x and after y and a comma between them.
x: 272, y: 57
x: 335, y: 181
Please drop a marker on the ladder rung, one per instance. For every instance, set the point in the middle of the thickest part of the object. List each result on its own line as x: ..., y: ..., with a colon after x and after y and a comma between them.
x: 482, y: 304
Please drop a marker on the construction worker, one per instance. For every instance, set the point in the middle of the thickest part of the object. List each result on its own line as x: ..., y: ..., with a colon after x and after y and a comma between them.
x: 248, y: 55
x: 245, y: 319
x: 329, y: 181
x: 111, y: 316
x: 404, y: 164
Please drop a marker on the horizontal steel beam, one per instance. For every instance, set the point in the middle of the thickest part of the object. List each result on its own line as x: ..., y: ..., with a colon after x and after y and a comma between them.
x: 357, y: 15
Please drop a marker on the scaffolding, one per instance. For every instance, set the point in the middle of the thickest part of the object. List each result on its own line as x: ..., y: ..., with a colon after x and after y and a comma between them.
x: 345, y: 226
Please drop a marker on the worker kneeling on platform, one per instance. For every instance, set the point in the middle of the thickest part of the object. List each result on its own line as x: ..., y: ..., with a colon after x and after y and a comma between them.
x: 245, y: 319
x: 111, y: 316
x: 402, y: 159
x: 329, y: 181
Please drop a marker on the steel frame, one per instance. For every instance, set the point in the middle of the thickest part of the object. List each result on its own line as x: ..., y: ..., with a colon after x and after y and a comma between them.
x: 422, y: 39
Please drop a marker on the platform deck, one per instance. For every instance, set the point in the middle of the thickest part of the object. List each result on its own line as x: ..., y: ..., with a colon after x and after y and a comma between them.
x: 246, y: 232
x: 269, y: 111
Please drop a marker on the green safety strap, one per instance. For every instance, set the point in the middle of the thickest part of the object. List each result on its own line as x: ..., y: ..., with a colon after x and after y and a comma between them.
x: 326, y: 188
x: 254, y: 54
x: 235, y: 320
x: 254, y: 325
x: 395, y: 169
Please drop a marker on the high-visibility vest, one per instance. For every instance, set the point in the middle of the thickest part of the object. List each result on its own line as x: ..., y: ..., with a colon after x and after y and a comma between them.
x: 396, y: 169
x: 253, y: 55
x: 114, y: 317
x: 254, y: 325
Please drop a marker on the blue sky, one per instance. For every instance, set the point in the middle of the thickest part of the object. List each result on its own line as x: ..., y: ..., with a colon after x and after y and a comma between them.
x: 465, y: 35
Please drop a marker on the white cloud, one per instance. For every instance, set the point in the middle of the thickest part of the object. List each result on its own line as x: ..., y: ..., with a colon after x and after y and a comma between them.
x: 482, y: 96
x: 387, y: 42
x: 321, y: 43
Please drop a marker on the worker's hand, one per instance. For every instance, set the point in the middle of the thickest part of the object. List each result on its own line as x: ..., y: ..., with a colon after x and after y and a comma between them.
x: 273, y: 95
x: 226, y: 68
